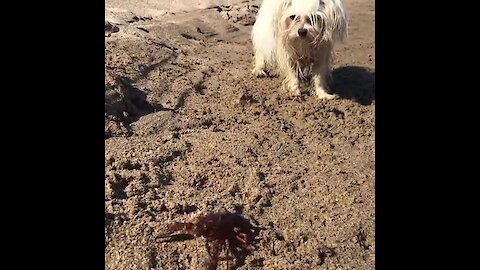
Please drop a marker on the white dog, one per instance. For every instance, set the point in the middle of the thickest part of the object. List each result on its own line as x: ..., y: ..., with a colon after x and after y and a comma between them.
x: 298, y: 35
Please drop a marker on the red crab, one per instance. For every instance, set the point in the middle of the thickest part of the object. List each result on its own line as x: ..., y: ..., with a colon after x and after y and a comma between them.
x: 223, y: 231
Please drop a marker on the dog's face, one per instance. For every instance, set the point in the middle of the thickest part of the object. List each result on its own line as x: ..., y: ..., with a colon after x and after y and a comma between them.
x: 302, y: 27
x: 303, y: 22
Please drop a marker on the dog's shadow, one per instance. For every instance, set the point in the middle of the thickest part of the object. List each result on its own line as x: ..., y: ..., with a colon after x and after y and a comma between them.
x: 355, y: 83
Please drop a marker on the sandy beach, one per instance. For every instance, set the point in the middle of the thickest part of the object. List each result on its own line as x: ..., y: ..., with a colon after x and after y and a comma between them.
x: 189, y: 130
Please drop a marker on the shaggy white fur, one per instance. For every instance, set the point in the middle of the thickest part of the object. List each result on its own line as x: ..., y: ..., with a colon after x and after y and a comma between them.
x: 295, y: 35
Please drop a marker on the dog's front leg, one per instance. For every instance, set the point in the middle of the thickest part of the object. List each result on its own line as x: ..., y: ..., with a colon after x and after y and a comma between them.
x: 290, y: 75
x: 259, y: 64
x: 320, y: 73
x: 291, y: 82
x: 319, y: 84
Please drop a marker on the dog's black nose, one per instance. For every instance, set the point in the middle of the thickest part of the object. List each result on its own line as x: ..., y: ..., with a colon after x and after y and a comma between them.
x: 302, y: 32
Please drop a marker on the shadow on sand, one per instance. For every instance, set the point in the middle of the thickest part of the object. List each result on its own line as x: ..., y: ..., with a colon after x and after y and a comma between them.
x: 355, y: 83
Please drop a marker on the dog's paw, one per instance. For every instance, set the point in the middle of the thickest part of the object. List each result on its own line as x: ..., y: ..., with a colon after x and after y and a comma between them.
x: 326, y: 96
x: 259, y: 72
x: 295, y: 92
x: 322, y: 94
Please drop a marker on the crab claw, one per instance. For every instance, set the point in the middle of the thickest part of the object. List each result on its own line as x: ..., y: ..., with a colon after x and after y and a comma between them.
x: 242, y: 238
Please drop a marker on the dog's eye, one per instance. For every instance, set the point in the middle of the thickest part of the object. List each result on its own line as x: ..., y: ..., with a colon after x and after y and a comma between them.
x: 292, y: 17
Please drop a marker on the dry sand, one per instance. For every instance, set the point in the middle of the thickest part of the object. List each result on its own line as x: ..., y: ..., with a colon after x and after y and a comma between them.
x: 189, y: 130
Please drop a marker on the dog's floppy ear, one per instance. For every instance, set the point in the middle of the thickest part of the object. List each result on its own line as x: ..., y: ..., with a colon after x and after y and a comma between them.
x: 336, y: 21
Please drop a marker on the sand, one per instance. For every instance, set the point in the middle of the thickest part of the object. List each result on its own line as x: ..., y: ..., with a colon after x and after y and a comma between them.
x: 189, y: 130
